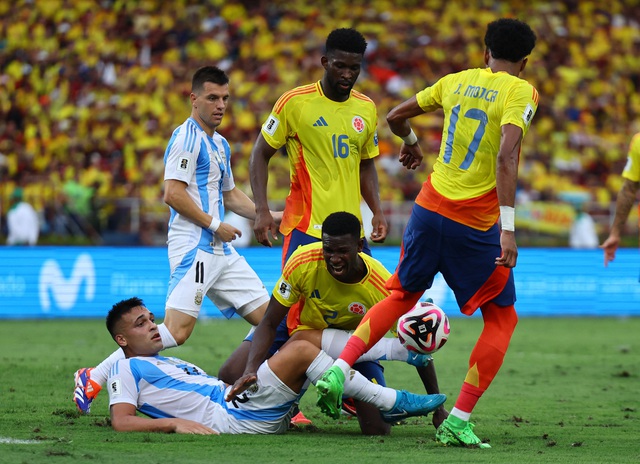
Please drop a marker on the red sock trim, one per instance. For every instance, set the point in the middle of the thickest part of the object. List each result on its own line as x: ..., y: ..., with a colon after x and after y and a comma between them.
x: 377, y: 322
x: 354, y: 348
x: 469, y: 396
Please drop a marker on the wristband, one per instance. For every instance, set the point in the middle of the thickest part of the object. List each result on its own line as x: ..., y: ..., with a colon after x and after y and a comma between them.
x: 508, y: 218
x: 215, y: 223
x: 410, y: 139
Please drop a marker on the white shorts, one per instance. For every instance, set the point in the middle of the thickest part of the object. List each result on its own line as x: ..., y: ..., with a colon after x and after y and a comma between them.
x: 227, y: 280
x: 266, y: 407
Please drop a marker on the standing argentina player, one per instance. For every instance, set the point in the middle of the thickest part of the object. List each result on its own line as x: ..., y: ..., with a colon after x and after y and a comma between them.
x: 198, y: 186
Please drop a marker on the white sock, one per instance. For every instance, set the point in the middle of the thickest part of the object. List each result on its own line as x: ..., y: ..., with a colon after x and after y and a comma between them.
x: 465, y: 416
x: 343, y: 366
x: 387, y: 349
x: 355, y: 385
x: 321, y: 363
x: 100, y: 373
x: 167, y: 339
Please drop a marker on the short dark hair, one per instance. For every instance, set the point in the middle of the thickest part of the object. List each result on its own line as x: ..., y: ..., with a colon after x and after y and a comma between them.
x: 346, y: 40
x: 208, y: 74
x: 342, y: 223
x: 509, y: 39
x: 118, y: 310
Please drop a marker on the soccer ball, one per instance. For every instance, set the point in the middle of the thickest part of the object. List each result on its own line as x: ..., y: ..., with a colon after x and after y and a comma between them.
x: 424, y: 329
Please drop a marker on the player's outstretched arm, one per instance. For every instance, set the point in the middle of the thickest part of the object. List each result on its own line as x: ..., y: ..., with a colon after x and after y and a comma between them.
x: 263, y: 338
x: 124, y: 419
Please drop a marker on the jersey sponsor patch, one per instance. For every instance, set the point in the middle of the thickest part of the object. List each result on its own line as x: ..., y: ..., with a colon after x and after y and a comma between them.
x: 271, y: 125
x: 527, y: 116
x: 114, y: 387
x: 357, y: 308
x: 358, y: 123
x: 285, y: 290
x: 183, y: 164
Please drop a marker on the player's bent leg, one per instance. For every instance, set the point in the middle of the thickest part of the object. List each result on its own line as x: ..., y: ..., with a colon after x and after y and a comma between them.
x: 290, y: 364
x: 180, y: 324
x: 370, y: 420
x: 255, y: 316
x: 369, y: 417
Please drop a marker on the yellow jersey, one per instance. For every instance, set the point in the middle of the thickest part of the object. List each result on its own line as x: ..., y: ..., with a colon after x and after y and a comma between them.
x: 317, y: 300
x: 325, y: 141
x: 631, y: 170
x: 476, y: 104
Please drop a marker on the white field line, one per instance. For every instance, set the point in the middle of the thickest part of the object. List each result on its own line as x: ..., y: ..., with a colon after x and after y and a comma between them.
x: 15, y: 441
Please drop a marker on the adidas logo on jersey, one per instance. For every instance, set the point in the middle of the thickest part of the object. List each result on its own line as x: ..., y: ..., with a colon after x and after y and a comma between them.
x: 320, y: 122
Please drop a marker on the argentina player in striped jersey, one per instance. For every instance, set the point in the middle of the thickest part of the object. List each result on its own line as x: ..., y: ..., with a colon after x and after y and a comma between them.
x: 199, y: 186
x: 177, y: 396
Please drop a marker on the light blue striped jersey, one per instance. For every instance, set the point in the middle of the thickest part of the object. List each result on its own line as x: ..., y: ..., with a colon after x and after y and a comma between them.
x: 203, y: 163
x: 163, y: 387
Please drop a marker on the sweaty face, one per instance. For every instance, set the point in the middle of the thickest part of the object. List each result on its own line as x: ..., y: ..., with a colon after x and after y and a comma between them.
x: 210, y: 104
x: 138, y: 333
x: 341, y: 72
x: 341, y: 256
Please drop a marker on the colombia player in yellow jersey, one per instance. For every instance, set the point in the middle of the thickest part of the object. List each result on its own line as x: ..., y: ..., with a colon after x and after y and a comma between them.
x: 324, y: 291
x: 625, y: 200
x: 453, y: 226
x: 329, y: 133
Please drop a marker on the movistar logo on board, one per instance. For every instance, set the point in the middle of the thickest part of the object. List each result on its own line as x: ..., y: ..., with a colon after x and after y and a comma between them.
x: 65, y: 291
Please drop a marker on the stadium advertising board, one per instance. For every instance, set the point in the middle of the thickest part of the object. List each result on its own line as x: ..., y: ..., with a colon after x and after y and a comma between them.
x: 83, y: 282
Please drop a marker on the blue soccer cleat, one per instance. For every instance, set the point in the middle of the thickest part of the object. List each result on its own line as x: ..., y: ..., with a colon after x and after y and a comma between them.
x: 418, y: 359
x: 410, y: 405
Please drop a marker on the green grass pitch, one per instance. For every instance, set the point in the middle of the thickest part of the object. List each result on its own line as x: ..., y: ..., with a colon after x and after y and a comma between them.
x: 568, y: 392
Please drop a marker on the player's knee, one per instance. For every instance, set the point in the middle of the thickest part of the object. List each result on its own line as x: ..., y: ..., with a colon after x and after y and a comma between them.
x: 180, y: 334
x: 303, y: 349
x: 254, y: 317
x: 370, y: 420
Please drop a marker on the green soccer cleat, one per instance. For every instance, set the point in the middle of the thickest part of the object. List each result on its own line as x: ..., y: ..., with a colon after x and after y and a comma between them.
x: 330, y: 388
x: 456, y: 432
x: 410, y: 405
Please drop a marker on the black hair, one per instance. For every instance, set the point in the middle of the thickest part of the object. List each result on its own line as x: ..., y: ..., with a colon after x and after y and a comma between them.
x: 509, y: 39
x: 346, y: 40
x: 118, y: 310
x: 208, y: 74
x: 341, y: 223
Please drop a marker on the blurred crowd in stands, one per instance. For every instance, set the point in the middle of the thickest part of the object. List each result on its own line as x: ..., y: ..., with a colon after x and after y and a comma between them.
x: 91, y: 91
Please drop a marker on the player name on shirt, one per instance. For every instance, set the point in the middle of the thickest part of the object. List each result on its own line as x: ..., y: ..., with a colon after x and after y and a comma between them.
x: 476, y: 91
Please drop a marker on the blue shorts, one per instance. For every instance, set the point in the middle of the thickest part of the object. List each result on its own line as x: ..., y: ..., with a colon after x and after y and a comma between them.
x: 465, y: 256
x: 370, y: 369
